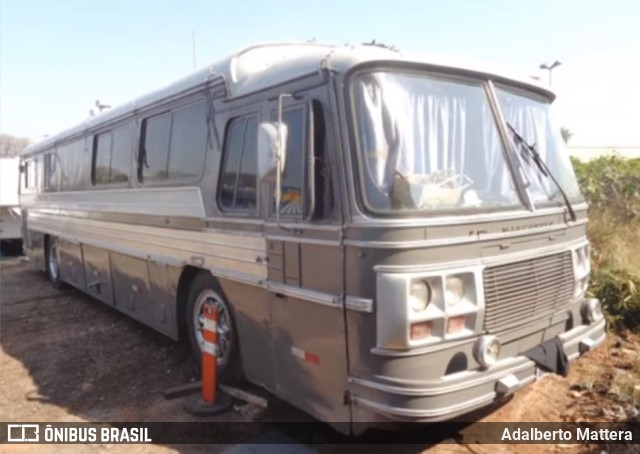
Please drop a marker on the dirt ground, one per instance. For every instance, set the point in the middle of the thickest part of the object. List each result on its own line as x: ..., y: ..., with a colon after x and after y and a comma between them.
x: 66, y: 357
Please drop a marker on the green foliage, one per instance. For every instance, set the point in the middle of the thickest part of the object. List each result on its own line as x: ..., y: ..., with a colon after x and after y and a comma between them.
x: 611, y: 185
x: 619, y: 292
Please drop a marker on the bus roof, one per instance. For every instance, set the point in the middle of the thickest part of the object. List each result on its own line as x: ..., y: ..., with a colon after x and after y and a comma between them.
x: 265, y: 65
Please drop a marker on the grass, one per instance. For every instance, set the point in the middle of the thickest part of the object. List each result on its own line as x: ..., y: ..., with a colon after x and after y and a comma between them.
x: 611, y: 185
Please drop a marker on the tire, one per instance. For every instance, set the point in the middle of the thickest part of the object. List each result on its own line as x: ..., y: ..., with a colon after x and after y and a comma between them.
x: 205, y: 288
x: 53, y: 263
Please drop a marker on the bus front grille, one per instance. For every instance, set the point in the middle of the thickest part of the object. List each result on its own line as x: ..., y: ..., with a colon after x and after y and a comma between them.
x: 526, y: 291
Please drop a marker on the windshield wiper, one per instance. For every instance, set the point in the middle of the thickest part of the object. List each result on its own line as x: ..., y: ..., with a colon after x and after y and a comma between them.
x: 542, y: 167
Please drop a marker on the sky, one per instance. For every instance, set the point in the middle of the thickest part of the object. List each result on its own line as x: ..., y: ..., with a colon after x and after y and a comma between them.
x: 58, y: 57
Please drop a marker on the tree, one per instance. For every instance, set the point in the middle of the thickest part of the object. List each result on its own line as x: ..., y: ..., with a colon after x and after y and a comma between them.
x: 566, y: 134
x: 12, y: 146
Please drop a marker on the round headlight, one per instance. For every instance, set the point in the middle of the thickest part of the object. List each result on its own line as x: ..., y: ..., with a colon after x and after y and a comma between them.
x: 420, y: 296
x: 486, y: 350
x: 454, y: 290
x: 591, y: 310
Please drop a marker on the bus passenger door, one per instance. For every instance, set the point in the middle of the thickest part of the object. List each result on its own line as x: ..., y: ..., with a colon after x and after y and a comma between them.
x: 305, y: 269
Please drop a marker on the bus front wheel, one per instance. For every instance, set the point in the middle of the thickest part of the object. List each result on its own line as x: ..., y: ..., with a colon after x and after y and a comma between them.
x: 205, y: 289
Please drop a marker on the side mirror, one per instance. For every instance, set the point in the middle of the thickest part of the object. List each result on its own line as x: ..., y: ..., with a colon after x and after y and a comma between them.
x: 272, y: 139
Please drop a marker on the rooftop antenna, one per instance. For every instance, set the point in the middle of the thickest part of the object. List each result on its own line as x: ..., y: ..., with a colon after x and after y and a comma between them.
x: 101, y: 106
x: 193, y: 43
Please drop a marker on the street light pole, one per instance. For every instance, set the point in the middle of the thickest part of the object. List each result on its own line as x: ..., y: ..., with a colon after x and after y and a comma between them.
x: 550, y: 68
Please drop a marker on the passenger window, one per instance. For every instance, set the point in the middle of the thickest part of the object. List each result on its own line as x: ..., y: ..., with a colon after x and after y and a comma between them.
x: 49, y: 172
x: 112, y: 156
x: 292, y: 195
x: 71, y: 158
x: 238, y: 183
x: 188, y: 142
x: 101, y: 158
x: 121, y: 155
x: 155, y: 149
x: 174, y: 144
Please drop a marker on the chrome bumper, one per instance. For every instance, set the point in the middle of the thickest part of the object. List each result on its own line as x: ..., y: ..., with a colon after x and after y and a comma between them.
x: 463, y: 392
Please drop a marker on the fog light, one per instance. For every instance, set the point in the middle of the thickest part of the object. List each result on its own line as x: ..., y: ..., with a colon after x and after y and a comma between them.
x: 591, y: 310
x: 420, y: 330
x: 486, y: 350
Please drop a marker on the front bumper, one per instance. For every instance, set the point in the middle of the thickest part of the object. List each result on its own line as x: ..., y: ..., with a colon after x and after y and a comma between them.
x: 463, y: 392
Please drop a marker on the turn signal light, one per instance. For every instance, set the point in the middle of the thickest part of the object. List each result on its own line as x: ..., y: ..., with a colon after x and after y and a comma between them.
x: 420, y: 330
x: 455, y: 324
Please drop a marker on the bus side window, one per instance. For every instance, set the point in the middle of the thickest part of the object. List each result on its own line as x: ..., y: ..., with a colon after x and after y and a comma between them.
x: 293, y: 177
x: 237, y: 190
x: 173, y: 144
x: 305, y: 192
x: 49, y: 172
x: 188, y: 142
x: 323, y: 186
x: 101, y: 158
x: 155, y: 148
x: 112, y: 156
x: 121, y: 147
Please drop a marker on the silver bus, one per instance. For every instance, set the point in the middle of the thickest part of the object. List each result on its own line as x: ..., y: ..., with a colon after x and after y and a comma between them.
x: 388, y: 237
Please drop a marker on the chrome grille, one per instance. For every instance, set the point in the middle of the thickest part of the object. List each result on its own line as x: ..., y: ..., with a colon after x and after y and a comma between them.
x: 530, y: 290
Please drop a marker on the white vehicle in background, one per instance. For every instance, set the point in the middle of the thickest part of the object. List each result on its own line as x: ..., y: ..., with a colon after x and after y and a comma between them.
x: 9, y: 203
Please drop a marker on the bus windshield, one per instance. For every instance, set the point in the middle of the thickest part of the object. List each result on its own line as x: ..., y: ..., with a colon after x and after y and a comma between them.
x: 529, y: 115
x: 428, y: 143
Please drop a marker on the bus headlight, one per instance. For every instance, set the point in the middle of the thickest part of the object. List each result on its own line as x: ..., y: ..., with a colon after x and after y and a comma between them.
x: 420, y: 308
x: 454, y: 290
x: 581, y: 268
x: 591, y: 310
x: 420, y: 296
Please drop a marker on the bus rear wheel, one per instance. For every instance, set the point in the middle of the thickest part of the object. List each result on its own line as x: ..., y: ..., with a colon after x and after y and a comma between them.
x: 205, y: 289
x: 53, y: 262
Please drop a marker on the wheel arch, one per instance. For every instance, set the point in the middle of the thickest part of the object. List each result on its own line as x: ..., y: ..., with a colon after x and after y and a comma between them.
x: 182, y: 295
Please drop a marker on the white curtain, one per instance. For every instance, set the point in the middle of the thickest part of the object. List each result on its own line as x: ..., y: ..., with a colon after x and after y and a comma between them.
x: 531, y: 119
x: 418, y: 125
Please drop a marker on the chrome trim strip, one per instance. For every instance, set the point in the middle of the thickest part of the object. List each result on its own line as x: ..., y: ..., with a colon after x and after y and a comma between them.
x: 237, y: 276
x: 314, y: 296
x: 424, y: 350
x: 233, y: 232
x: 425, y: 413
x: 457, y: 240
x: 302, y: 240
x: 482, y: 261
x: 159, y: 201
x: 163, y: 259
x: 304, y: 226
x: 458, y: 219
x: 358, y: 304
x: 253, y: 221
x: 166, y: 260
x: 447, y: 389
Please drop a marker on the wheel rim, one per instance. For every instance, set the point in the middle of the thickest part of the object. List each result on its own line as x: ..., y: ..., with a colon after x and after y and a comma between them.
x: 225, y: 337
x: 53, y: 262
